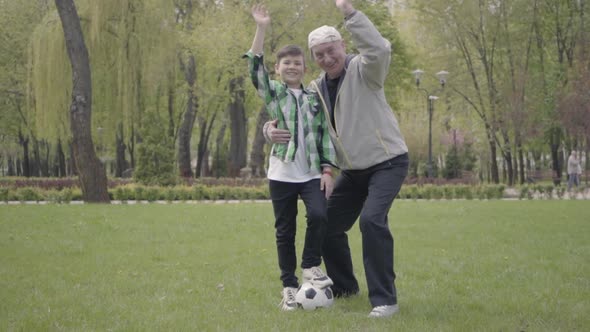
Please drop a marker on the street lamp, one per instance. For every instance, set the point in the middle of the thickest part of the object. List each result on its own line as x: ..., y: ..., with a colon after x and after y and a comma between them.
x: 430, y: 98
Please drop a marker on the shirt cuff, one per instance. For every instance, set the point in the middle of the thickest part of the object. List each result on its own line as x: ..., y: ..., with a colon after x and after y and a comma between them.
x: 349, y: 16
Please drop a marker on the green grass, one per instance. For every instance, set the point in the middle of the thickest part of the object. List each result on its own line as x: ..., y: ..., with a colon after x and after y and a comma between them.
x: 461, y: 266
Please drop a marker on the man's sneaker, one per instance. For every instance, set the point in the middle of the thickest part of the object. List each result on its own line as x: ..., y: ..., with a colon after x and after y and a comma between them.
x: 384, y: 311
x: 288, y: 303
x: 317, y: 277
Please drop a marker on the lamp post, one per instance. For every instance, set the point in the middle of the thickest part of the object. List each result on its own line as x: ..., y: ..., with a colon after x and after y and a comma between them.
x: 430, y: 98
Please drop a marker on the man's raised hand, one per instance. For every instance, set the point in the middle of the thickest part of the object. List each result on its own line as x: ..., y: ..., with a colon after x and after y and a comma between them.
x: 345, y: 7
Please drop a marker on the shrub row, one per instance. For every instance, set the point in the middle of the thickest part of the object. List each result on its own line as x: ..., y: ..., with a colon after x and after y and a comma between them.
x: 133, y: 192
x: 73, y: 182
x: 549, y: 191
x: 452, y: 192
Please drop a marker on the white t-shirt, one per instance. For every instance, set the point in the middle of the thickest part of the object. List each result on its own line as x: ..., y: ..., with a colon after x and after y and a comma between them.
x: 298, y: 170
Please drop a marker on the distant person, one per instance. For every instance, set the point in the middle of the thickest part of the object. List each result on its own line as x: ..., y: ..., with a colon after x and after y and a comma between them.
x: 574, y: 170
x: 370, y: 150
x: 298, y: 167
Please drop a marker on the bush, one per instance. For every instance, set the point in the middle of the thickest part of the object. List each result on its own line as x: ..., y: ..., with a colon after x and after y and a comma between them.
x: 139, y: 193
x: 152, y: 194
x: 448, y: 192
x: 436, y: 192
x: 171, y: 194
x: 549, y: 191
x: 155, y: 154
x: 560, y: 191
x: 464, y: 192
x: 4, y: 194
x: 29, y: 194
x: 527, y: 192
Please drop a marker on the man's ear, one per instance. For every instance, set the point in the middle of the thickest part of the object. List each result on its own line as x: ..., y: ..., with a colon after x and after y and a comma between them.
x: 277, y: 67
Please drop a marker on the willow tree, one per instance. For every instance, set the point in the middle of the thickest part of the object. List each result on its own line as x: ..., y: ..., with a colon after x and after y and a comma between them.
x: 132, y: 50
x: 93, y: 179
x: 18, y: 20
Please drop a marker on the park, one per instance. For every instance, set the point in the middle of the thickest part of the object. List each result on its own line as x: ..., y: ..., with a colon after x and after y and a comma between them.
x: 135, y: 163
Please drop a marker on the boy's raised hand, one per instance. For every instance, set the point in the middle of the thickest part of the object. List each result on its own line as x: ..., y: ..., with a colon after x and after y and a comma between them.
x: 260, y: 15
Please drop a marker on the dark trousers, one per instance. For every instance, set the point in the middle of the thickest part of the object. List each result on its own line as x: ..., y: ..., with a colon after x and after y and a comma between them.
x: 369, y: 194
x: 284, y: 197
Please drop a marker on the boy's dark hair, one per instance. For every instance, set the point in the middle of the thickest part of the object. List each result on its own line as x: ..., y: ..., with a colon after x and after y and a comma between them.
x: 292, y: 50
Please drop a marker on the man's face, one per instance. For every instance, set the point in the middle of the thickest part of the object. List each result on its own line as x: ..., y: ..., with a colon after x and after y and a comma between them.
x: 331, y: 57
x: 291, y: 68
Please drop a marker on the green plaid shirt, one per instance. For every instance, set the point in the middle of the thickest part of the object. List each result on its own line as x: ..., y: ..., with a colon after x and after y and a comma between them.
x: 281, y: 104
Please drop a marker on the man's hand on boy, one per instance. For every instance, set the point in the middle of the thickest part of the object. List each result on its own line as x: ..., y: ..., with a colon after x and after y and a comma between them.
x: 260, y: 15
x: 327, y: 184
x: 277, y: 135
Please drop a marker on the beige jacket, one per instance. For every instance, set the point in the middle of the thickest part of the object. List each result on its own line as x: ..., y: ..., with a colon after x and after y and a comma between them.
x: 367, y: 132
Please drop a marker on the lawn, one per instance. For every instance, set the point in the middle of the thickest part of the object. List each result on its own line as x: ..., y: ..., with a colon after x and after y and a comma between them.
x: 461, y: 266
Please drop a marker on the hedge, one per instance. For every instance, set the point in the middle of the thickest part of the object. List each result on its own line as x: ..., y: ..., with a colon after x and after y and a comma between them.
x: 137, y: 192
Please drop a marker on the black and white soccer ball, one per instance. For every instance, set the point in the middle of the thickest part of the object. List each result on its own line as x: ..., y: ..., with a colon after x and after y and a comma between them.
x: 310, y: 297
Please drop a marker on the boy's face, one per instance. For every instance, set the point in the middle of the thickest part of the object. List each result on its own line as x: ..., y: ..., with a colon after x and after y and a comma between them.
x: 291, y: 68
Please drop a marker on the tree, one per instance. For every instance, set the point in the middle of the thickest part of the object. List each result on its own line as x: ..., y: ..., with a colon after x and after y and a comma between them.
x: 93, y: 180
x: 452, y: 169
x: 18, y: 20
x: 188, y: 120
x: 155, y: 153
x: 239, y: 139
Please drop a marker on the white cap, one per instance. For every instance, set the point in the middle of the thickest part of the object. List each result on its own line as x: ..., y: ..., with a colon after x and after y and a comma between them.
x: 321, y: 35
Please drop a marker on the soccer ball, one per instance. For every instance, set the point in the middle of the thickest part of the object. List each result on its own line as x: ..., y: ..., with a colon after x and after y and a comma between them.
x: 310, y: 297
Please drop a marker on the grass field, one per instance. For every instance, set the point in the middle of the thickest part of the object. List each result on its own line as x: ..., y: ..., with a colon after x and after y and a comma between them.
x: 461, y: 266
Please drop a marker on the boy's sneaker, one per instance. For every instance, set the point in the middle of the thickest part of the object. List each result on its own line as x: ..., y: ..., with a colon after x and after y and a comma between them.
x: 317, y: 277
x: 288, y: 303
x: 383, y: 311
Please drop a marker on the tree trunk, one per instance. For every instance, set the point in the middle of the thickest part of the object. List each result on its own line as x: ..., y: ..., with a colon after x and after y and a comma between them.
x: 186, y: 127
x: 61, y: 160
x: 555, y: 164
x: 37, y: 164
x: 257, y: 153
x: 218, y: 145
x: 24, y: 143
x: 239, y: 139
x: 131, y: 145
x: 171, y: 126
x: 121, y: 163
x: 507, y: 154
x: 520, y: 160
x: 494, y: 174
x: 205, y: 170
x: 44, y: 162
x: 11, y: 168
x: 93, y: 179
x: 19, y: 167
x: 202, y: 154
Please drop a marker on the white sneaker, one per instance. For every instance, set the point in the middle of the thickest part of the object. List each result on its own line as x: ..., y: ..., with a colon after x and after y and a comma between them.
x: 384, y: 311
x: 288, y: 303
x: 317, y: 277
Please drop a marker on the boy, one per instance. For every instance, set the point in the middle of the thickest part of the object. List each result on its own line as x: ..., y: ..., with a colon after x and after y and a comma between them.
x: 298, y: 168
